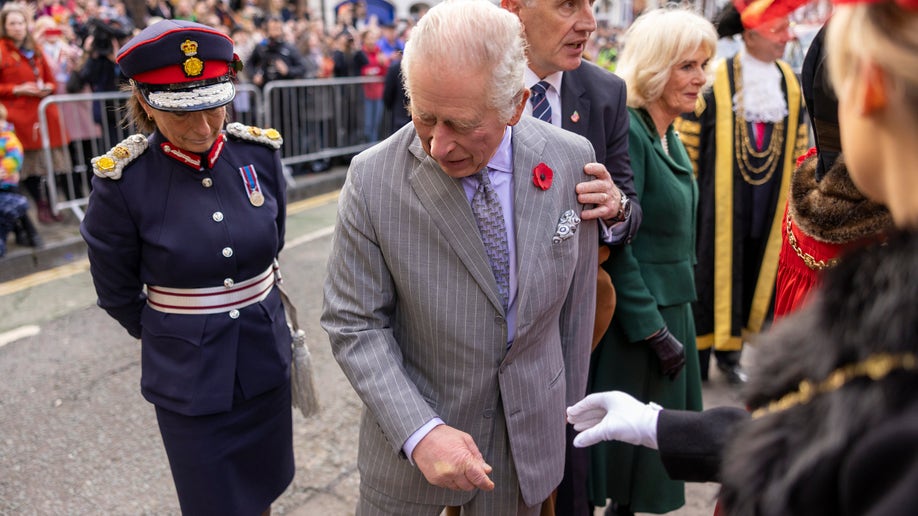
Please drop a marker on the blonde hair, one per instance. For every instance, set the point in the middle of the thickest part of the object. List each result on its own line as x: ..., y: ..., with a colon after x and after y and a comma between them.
x: 134, y: 113
x: 655, y: 42
x: 882, y: 32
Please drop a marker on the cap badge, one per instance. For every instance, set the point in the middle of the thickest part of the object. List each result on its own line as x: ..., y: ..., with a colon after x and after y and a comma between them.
x: 192, y: 66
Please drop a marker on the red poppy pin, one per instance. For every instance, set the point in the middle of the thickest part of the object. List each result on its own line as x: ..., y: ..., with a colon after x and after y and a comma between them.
x: 541, y: 176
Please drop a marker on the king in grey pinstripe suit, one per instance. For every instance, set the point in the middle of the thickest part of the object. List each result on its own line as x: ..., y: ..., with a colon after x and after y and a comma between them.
x: 412, y: 307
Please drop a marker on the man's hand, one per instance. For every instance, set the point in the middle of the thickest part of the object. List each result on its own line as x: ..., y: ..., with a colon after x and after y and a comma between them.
x: 600, y: 192
x: 449, y: 458
x: 281, y: 67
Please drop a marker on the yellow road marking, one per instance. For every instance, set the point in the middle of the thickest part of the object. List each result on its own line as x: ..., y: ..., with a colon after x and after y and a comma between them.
x: 312, y: 202
x: 82, y: 265
x: 40, y: 278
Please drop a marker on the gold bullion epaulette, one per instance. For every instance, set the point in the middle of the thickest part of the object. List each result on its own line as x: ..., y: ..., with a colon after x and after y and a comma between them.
x: 113, y: 162
x: 270, y: 137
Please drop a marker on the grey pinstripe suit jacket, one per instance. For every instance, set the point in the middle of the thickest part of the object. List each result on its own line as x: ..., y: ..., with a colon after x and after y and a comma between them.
x: 414, y: 318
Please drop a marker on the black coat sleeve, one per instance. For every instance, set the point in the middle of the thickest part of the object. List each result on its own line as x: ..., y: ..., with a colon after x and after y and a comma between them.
x: 880, y: 475
x: 691, y: 443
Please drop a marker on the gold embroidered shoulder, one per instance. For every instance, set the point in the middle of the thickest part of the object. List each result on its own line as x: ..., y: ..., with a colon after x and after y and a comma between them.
x: 113, y: 162
x: 270, y: 137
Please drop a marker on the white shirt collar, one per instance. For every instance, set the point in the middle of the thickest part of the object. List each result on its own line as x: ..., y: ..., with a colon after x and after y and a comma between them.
x: 553, y: 94
x: 502, y: 161
x: 554, y: 79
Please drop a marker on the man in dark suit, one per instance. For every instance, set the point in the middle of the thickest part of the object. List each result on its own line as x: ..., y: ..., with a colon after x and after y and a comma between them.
x: 394, y: 98
x: 589, y: 101
x: 584, y: 99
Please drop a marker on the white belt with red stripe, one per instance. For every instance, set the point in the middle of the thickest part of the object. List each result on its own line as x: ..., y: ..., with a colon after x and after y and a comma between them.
x: 211, y: 300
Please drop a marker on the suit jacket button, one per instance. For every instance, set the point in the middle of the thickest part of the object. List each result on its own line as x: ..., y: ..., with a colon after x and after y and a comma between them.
x: 487, y: 413
x: 500, y: 320
x: 234, y: 314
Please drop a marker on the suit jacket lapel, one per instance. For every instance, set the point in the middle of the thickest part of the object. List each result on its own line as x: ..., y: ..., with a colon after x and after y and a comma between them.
x: 534, y: 226
x: 445, y: 202
x: 575, y: 104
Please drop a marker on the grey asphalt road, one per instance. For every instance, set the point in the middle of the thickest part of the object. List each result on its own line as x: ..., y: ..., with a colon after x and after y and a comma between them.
x: 76, y: 437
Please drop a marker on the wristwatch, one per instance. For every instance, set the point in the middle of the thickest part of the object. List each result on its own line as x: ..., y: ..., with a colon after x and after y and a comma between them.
x: 624, y: 209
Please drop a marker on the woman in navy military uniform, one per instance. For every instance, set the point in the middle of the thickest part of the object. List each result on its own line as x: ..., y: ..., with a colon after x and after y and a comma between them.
x: 183, y: 230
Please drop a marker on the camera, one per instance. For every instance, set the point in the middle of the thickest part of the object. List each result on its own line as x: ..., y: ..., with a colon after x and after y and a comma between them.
x: 104, y: 31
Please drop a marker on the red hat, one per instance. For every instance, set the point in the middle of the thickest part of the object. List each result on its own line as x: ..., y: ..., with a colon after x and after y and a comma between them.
x: 180, y: 65
x: 908, y: 5
x: 755, y: 13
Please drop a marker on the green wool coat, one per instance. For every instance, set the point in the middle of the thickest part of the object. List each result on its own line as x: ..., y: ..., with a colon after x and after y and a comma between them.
x: 653, y: 278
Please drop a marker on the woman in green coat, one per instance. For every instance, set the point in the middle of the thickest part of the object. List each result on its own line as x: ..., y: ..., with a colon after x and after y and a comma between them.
x: 649, y: 349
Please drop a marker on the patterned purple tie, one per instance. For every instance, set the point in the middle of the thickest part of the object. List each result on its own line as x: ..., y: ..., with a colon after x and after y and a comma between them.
x: 541, y: 109
x: 490, y: 218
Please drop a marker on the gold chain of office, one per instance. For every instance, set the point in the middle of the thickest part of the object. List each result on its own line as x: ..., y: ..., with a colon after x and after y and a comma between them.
x: 743, y: 146
x: 875, y: 367
x: 808, y: 260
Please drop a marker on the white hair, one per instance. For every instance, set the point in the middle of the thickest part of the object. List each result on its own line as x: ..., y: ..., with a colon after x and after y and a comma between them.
x: 470, y: 35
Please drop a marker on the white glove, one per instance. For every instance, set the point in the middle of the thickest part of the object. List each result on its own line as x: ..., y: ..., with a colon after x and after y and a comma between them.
x: 614, y: 416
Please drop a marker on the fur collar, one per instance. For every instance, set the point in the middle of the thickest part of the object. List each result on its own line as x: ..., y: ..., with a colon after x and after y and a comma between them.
x: 791, y: 462
x: 833, y: 210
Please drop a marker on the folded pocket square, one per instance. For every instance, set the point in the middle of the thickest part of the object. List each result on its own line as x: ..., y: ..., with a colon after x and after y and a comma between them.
x: 567, y: 226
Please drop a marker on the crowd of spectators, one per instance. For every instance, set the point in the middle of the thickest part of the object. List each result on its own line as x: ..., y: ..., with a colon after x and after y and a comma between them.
x: 81, y: 38
x: 352, y: 44
x: 275, y: 39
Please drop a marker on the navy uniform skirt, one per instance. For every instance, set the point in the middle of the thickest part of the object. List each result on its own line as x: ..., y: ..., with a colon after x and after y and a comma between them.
x: 234, y: 463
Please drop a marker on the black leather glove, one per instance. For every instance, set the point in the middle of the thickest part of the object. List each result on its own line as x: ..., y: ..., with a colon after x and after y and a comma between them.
x: 669, y: 350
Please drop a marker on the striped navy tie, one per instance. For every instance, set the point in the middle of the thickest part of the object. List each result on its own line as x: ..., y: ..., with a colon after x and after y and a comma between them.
x: 541, y: 109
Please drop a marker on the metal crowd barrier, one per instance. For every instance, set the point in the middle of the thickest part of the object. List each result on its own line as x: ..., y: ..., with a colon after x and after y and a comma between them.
x: 320, y: 119
x: 330, y: 121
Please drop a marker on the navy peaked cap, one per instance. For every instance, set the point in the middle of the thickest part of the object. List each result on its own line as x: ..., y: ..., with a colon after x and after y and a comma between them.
x: 180, y: 65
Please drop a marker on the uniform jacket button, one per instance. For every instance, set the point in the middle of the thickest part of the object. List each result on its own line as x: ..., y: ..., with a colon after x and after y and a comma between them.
x: 207, y: 182
x: 227, y: 252
x: 218, y: 216
x: 228, y: 283
x: 234, y: 314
